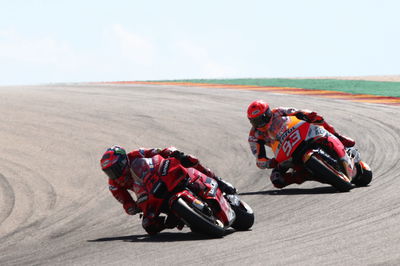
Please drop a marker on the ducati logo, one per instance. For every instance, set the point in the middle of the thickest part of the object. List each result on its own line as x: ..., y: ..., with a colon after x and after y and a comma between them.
x: 165, y: 168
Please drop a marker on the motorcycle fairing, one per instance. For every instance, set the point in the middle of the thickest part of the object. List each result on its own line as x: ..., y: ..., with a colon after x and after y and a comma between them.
x: 292, y: 134
x: 213, y: 195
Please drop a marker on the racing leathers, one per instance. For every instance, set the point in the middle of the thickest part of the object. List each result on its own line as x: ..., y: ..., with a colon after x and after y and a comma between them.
x: 261, y: 137
x: 120, y: 187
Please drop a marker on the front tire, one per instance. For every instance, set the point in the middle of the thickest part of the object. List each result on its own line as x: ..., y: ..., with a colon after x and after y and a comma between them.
x: 244, y: 216
x: 197, y: 222
x: 324, y: 172
x: 364, y: 176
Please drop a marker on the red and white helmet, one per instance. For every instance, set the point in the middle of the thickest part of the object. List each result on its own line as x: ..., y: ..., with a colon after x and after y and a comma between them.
x: 259, y: 113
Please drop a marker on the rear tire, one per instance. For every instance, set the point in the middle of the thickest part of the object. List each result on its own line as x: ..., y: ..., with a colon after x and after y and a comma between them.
x: 196, y: 221
x: 323, y: 172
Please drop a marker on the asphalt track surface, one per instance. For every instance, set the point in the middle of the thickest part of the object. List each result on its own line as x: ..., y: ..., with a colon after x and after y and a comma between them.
x: 55, y: 207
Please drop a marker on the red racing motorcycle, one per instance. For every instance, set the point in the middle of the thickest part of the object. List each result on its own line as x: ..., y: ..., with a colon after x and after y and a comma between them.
x: 193, y: 198
x: 323, y: 155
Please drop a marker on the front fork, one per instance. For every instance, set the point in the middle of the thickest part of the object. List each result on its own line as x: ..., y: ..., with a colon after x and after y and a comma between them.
x: 349, y: 168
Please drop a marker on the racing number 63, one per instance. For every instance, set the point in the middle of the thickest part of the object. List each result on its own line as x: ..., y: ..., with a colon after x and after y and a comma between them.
x: 290, y: 142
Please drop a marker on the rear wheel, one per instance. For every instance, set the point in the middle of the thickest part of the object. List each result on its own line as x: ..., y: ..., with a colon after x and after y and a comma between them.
x: 197, y: 221
x: 326, y: 173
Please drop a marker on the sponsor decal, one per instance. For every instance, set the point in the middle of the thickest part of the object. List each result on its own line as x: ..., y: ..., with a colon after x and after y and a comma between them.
x: 198, y: 204
x: 112, y: 188
x: 282, y: 137
x: 214, y: 186
x: 316, y: 131
x: 252, y: 139
x: 365, y: 166
x: 120, y: 151
x: 165, y: 167
x: 142, y: 198
x: 319, y: 131
x: 156, y: 187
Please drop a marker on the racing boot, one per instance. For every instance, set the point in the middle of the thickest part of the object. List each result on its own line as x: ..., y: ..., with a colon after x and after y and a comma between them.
x: 172, y: 221
x: 224, y: 186
x: 346, y: 141
x: 281, y: 180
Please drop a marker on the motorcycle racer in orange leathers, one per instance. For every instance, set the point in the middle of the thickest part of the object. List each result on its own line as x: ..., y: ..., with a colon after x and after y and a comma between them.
x: 266, y: 123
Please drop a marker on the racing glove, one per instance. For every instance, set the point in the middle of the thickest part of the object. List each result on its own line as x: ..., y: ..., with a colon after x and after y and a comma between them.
x: 266, y: 163
x: 310, y: 117
x: 186, y: 160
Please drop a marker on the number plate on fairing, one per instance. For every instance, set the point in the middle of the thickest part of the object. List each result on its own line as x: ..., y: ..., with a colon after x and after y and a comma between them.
x: 289, y: 140
x: 293, y: 133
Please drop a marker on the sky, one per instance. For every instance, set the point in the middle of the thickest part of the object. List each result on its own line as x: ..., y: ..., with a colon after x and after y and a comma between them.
x: 51, y: 41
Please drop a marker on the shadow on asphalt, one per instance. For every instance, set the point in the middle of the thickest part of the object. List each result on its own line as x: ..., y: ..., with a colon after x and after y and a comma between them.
x: 294, y: 191
x: 160, y: 237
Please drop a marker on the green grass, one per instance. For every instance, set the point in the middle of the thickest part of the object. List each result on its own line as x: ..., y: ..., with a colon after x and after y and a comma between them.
x: 351, y: 86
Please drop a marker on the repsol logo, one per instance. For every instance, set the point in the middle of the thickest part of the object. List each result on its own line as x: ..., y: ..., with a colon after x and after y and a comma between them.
x: 285, y: 134
x: 165, y: 167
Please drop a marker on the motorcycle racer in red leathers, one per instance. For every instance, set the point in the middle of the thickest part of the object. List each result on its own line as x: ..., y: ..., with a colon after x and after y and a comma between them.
x: 120, y: 166
x: 266, y: 123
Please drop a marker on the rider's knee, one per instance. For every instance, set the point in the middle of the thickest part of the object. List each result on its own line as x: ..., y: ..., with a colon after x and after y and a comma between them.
x: 277, y: 179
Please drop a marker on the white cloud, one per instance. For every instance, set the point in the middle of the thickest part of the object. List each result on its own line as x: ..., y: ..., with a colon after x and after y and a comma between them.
x: 200, y: 57
x: 41, y: 50
x: 120, y: 55
x: 134, y: 46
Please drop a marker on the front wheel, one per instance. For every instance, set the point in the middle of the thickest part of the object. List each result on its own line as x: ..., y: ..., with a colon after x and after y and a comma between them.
x: 364, y: 175
x: 326, y: 173
x: 244, y: 216
x: 197, y: 221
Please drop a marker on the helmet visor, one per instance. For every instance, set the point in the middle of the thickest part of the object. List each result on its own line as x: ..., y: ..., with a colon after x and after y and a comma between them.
x: 262, y: 120
x: 116, y: 170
